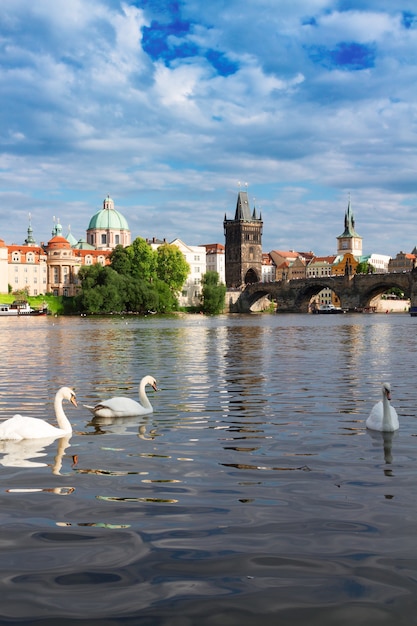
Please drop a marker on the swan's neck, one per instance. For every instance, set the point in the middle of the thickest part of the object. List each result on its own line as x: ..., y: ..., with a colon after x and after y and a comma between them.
x: 61, y: 418
x: 386, y: 416
x: 144, y: 400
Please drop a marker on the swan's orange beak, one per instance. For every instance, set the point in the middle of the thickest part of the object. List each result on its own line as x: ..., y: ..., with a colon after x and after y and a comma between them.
x: 388, y: 394
x: 73, y: 401
x: 154, y: 387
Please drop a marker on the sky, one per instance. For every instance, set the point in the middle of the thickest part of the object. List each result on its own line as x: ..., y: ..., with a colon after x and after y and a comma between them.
x: 173, y: 106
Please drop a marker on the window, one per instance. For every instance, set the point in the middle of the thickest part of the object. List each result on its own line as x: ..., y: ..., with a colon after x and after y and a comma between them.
x: 103, y: 239
x: 117, y: 239
x: 15, y: 257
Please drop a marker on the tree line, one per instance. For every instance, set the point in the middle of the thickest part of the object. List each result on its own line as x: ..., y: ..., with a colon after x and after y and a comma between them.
x: 140, y: 279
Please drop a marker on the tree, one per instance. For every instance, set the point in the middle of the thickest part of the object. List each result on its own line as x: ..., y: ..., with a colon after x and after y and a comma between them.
x: 121, y: 260
x: 102, y: 290
x: 143, y: 259
x: 365, y: 268
x: 171, y: 267
x: 213, y: 294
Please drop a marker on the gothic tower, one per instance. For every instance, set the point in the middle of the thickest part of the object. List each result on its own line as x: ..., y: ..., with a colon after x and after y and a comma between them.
x: 243, y: 245
x: 349, y: 240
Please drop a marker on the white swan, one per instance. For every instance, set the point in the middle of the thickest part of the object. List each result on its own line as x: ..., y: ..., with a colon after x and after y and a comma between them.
x: 21, y: 427
x: 383, y: 416
x: 126, y: 407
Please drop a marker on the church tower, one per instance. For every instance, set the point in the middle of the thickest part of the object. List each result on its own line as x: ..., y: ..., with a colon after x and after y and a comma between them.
x: 349, y: 240
x: 243, y: 245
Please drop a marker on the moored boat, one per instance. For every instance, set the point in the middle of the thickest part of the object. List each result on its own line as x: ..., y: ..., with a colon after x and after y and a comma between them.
x: 20, y: 307
x: 5, y: 309
x: 330, y: 308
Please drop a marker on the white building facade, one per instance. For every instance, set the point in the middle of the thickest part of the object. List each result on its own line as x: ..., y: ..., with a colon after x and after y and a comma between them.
x: 195, y: 256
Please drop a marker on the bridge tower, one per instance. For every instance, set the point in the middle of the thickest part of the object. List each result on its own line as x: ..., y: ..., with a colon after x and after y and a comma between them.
x: 243, y: 244
x: 349, y: 240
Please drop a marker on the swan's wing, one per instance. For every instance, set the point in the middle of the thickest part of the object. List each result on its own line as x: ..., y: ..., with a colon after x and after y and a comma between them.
x: 24, y: 427
x: 394, y: 418
x: 122, y: 407
x: 374, y: 420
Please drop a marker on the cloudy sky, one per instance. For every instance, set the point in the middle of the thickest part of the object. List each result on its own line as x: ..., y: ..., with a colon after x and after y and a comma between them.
x: 169, y: 105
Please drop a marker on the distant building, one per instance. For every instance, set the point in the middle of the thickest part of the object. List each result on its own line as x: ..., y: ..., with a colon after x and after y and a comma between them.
x: 403, y: 262
x: 318, y: 267
x: 215, y: 260
x: 243, y: 245
x: 27, y: 266
x: 268, y: 268
x: 349, y: 240
x: 3, y: 267
x: 380, y: 262
x: 195, y: 256
x: 108, y: 228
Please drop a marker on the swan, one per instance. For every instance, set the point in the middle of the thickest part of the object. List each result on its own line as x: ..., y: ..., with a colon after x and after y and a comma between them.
x: 126, y: 407
x: 383, y: 416
x: 21, y: 427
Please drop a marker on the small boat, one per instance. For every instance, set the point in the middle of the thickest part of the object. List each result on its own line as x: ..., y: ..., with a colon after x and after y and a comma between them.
x: 330, y: 308
x: 413, y: 311
x: 6, y: 309
x: 20, y: 307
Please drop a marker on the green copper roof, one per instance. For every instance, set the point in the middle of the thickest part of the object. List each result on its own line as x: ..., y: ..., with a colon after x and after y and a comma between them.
x: 108, y: 218
x: 349, y: 225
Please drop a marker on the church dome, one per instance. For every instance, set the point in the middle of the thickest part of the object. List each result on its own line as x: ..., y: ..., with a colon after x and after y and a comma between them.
x: 59, y: 243
x: 108, y: 218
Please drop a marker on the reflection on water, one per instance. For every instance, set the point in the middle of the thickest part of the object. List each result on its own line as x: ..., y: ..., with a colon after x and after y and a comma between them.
x: 254, y: 490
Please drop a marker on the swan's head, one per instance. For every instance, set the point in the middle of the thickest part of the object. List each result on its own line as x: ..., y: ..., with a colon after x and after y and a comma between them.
x: 68, y: 394
x: 148, y: 380
x: 152, y: 382
x: 386, y: 390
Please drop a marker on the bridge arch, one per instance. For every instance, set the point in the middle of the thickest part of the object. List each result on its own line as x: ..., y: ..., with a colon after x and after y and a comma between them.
x: 353, y: 292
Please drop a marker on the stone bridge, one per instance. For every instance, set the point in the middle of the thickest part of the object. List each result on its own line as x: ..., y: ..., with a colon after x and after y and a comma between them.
x: 354, y: 292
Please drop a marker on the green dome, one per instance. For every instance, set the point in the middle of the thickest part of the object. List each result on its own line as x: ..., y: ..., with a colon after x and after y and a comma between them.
x: 108, y: 218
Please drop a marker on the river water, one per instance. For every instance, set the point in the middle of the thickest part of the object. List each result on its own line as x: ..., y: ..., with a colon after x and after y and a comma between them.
x: 253, y: 492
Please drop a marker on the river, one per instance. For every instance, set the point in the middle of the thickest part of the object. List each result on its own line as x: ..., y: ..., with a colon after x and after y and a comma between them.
x: 252, y: 493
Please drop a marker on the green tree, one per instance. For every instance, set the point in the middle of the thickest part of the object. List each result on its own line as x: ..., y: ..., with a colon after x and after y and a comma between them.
x: 171, y: 267
x: 213, y: 294
x: 102, y: 290
x: 121, y: 260
x: 143, y: 259
x: 365, y: 268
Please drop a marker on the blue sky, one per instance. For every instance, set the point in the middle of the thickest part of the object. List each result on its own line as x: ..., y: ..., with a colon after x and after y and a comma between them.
x: 168, y: 105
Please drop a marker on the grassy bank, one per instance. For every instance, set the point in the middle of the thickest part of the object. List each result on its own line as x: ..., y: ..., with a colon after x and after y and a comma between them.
x: 54, y: 303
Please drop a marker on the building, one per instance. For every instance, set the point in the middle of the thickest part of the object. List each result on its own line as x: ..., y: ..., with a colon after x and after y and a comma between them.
x: 215, y: 260
x: 318, y: 267
x: 4, y: 265
x: 269, y: 269
x: 403, y: 262
x: 380, y: 262
x: 196, y: 258
x: 349, y: 240
x: 243, y: 245
x: 108, y: 228
x: 27, y: 266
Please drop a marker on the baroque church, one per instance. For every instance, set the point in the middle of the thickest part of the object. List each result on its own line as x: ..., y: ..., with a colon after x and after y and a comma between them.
x: 53, y: 267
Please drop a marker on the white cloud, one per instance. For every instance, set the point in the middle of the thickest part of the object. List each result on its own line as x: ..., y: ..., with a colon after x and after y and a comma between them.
x: 89, y: 112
